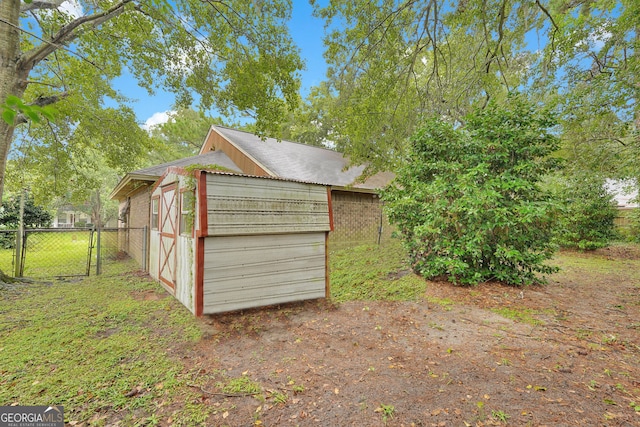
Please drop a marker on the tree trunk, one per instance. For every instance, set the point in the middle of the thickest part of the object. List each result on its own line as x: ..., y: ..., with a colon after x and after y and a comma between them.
x: 11, y: 82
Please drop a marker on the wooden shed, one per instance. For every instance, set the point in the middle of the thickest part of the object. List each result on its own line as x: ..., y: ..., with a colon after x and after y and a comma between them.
x: 221, y: 242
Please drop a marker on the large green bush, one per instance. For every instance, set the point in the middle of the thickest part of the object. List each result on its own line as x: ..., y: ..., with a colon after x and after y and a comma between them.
x: 468, y: 203
x: 589, y: 210
x: 34, y: 215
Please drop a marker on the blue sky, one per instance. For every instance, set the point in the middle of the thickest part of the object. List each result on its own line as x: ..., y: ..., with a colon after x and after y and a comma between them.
x: 306, y: 31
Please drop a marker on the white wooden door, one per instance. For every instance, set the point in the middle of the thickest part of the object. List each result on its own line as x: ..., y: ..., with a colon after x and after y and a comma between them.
x: 168, y: 233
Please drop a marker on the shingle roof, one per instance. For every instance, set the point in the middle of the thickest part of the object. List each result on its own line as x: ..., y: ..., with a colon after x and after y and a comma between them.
x: 300, y: 162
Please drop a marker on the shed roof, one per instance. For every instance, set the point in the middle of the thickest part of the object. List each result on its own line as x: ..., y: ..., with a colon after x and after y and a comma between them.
x: 279, y: 159
x: 132, y: 180
x: 301, y: 162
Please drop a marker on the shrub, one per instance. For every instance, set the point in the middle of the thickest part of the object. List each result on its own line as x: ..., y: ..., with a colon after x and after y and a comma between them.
x: 633, y: 231
x: 468, y: 204
x: 589, y: 211
x: 34, y: 215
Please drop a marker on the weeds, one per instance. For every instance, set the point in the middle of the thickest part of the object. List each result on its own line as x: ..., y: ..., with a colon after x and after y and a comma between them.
x: 500, y: 416
x: 279, y: 397
x: 387, y: 411
x: 372, y: 272
x: 239, y: 386
x: 522, y: 315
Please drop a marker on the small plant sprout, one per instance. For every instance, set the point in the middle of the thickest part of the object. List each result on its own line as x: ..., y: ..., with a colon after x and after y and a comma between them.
x: 500, y: 416
x: 387, y: 411
x: 279, y: 397
x: 505, y: 362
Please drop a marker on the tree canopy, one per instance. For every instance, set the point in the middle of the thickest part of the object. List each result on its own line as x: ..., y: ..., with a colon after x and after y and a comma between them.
x: 393, y: 64
x: 234, y: 56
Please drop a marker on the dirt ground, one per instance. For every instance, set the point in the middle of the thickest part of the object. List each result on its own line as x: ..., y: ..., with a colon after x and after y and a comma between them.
x: 571, y: 357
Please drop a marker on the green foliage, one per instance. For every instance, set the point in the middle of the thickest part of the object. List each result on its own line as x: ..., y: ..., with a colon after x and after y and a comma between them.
x: 589, y: 75
x: 587, y: 219
x: 370, y: 272
x: 468, y: 202
x: 13, y: 106
x: 241, y: 385
x: 236, y: 57
x: 34, y: 216
x: 392, y: 64
x: 633, y: 231
x: 181, y: 136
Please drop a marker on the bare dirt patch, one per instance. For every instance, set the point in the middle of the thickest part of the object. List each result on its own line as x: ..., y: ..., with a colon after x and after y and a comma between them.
x: 563, y: 354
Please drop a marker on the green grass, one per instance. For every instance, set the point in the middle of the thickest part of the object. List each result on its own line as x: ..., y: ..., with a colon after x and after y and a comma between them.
x: 373, y: 272
x: 93, y: 348
x: 521, y: 315
x: 60, y: 253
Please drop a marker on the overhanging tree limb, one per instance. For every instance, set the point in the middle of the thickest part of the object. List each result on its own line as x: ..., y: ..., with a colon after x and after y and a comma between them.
x: 67, y: 34
x: 41, y: 5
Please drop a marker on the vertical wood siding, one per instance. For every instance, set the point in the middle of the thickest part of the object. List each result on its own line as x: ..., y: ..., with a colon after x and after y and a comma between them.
x: 251, y: 271
x: 184, y: 290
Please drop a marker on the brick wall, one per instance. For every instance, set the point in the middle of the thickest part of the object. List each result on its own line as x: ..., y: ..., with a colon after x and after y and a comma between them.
x: 357, y: 219
x: 137, y: 216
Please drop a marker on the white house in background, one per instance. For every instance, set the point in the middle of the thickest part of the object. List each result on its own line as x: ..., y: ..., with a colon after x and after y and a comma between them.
x: 67, y: 217
x: 625, y: 193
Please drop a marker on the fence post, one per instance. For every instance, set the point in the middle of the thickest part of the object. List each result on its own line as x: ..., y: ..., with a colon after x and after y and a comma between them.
x: 145, y: 247
x: 99, y: 252
x: 19, y: 260
x: 99, y: 228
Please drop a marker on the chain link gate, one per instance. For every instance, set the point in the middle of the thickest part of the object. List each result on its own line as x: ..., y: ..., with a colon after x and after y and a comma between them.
x: 51, y: 253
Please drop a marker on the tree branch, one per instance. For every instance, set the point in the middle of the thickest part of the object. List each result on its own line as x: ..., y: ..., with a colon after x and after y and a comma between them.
x: 67, y: 34
x: 555, y: 26
x: 45, y: 41
x: 41, y: 101
x: 41, y: 5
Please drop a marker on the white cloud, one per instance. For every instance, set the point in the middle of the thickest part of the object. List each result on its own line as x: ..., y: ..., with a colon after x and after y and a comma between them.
x: 157, y: 119
x: 72, y: 7
x: 599, y: 38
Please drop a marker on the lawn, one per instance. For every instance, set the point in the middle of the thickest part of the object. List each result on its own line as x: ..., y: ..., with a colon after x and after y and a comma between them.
x: 98, y: 346
x: 59, y: 253
x: 389, y: 349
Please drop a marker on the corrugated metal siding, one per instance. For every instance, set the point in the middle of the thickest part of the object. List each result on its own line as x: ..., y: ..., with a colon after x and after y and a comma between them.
x: 246, y: 205
x: 251, y: 271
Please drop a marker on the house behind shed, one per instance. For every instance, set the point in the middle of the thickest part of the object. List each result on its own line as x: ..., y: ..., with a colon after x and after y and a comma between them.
x: 221, y: 242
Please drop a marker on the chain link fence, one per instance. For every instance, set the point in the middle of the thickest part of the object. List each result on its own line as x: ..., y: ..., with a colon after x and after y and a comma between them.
x: 50, y: 253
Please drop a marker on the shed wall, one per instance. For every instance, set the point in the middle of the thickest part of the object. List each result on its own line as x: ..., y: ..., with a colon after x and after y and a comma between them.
x: 185, y: 270
x: 245, y: 205
x: 251, y: 271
